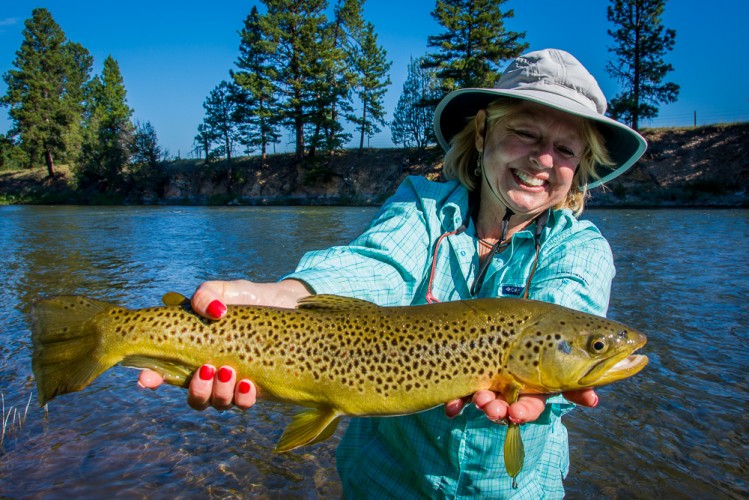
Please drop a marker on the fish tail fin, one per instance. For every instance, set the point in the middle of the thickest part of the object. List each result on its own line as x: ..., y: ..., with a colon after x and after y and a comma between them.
x: 69, y: 347
x: 514, y: 452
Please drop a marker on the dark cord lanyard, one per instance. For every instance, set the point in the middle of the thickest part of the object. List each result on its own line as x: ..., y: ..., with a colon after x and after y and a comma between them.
x: 541, y: 221
x: 479, y: 281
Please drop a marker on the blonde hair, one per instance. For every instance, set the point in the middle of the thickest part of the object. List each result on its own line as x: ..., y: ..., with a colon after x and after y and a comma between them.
x: 460, y: 160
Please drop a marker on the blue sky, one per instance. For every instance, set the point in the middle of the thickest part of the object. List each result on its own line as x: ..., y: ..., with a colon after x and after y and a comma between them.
x: 172, y: 53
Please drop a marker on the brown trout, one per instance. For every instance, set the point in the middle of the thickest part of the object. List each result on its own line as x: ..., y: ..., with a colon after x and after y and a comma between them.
x: 339, y: 356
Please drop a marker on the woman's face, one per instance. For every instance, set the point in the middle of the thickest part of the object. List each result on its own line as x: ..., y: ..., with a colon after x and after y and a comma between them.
x: 530, y: 157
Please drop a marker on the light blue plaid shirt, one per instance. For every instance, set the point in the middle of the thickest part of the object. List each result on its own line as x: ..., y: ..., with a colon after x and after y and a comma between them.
x: 428, y: 454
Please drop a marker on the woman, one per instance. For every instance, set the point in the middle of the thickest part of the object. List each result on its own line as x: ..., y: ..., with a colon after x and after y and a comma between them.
x: 520, y: 158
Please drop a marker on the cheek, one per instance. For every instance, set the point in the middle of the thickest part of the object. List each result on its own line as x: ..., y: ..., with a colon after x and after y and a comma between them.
x: 565, y: 174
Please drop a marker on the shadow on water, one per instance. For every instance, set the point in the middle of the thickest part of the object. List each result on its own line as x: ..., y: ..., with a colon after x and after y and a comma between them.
x: 678, y: 429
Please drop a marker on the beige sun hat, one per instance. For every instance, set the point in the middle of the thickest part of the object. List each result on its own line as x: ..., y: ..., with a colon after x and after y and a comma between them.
x: 553, y: 78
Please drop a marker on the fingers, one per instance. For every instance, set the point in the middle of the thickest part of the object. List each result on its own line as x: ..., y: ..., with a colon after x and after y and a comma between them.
x: 492, y: 404
x: 208, y: 300
x: 454, y: 407
x: 245, y: 395
x: 219, y: 388
x: 223, y: 388
x: 582, y: 397
x: 149, y: 379
x: 201, y: 388
x: 526, y: 409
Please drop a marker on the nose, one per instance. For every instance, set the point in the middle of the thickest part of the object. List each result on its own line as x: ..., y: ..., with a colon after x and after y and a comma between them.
x: 543, y: 154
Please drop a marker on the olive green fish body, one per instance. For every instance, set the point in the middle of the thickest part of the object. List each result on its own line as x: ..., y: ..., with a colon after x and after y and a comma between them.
x: 340, y: 356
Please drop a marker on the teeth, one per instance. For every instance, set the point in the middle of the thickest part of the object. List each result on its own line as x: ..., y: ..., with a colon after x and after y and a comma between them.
x: 527, y: 179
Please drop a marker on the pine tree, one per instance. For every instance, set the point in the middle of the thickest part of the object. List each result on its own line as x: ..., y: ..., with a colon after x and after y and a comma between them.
x: 255, y: 75
x: 369, y: 60
x: 412, y: 122
x: 109, y: 132
x: 147, y: 157
x: 221, y: 118
x: 146, y: 150
x: 203, y: 142
x: 334, y: 77
x: 474, y: 44
x: 44, y: 90
x: 642, y: 41
x: 292, y: 29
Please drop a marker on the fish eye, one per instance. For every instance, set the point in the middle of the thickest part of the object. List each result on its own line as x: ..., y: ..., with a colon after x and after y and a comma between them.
x: 598, y: 345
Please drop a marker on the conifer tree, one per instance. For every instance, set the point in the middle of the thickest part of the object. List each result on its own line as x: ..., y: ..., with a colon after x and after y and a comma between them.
x: 335, y: 77
x: 369, y: 60
x: 222, y: 115
x: 255, y: 75
x: 109, y: 131
x: 412, y: 122
x: 641, y: 43
x: 475, y: 42
x: 44, y: 94
x: 147, y: 157
x: 292, y: 29
x: 203, y: 142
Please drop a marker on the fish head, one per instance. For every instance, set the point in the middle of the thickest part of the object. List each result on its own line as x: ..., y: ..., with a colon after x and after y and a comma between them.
x: 574, y: 351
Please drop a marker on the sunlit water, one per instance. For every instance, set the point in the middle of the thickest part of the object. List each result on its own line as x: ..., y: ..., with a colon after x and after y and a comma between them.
x: 679, y: 429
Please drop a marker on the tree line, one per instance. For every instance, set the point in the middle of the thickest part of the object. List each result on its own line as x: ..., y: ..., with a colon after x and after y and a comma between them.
x: 300, y: 70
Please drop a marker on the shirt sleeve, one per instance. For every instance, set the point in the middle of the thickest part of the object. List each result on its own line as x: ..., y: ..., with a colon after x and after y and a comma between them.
x: 383, y: 265
x: 575, y: 269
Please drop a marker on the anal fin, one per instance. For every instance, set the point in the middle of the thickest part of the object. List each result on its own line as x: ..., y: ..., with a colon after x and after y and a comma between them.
x: 308, y: 427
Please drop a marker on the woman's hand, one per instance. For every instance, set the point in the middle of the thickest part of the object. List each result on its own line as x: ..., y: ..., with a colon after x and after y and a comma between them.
x: 220, y: 388
x: 526, y: 409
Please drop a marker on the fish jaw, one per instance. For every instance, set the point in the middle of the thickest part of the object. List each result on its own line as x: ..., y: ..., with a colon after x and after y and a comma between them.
x: 614, y: 369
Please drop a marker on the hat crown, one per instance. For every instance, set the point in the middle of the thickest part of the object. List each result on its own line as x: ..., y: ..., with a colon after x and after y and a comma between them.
x: 557, y: 72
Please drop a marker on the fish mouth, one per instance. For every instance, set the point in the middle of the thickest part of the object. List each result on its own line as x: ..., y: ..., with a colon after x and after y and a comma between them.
x: 613, y: 369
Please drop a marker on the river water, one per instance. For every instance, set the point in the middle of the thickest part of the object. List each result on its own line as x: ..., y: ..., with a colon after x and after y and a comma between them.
x: 678, y: 429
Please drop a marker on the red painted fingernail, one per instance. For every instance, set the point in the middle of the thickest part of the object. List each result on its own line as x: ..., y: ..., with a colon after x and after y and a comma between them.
x: 224, y: 374
x: 595, y: 403
x: 216, y: 309
x: 207, y: 372
x: 244, y: 387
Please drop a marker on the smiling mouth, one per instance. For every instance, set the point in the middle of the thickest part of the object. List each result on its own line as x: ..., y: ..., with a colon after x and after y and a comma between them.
x: 528, y: 180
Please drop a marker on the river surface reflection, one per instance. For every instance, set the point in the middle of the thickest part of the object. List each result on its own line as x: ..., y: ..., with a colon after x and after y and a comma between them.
x: 679, y: 429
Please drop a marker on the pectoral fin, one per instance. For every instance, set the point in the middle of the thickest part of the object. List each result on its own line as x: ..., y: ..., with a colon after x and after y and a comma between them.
x: 308, y: 427
x: 514, y: 452
x: 174, y: 373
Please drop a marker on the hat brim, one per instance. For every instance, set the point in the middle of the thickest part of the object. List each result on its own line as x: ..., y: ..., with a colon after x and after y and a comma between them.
x: 624, y: 145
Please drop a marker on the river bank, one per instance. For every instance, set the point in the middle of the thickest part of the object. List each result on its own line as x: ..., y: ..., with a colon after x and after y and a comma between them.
x: 703, y: 166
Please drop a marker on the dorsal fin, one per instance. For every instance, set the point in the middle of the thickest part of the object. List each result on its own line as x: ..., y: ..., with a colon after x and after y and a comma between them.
x: 174, y: 299
x: 335, y: 303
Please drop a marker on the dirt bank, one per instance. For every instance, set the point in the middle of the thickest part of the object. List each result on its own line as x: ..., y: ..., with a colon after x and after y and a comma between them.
x: 705, y: 166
